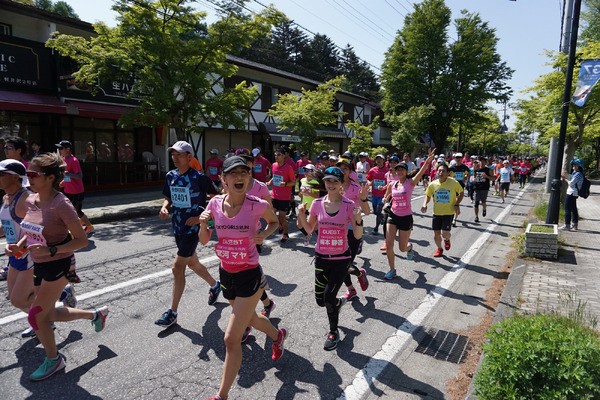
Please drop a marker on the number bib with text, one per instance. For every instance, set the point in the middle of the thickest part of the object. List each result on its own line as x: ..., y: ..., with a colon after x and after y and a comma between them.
x: 400, y: 202
x: 442, y: 196
x: 331, y: 240
x: 9, y: 231
x: 378, y: 182
x: 277, y: 180
x: 459, y: 175
x: 233, y: 251
x: 180, y: 197
x: 34, y: 233
x: 258, y: 168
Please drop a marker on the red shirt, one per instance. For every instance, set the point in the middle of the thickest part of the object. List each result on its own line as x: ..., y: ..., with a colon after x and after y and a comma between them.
x: 72, y: 185
x: 261, y: 168
x: 377, y: 176
x: 301, y: 164
x: 283, y: 174
x: 213, y: 167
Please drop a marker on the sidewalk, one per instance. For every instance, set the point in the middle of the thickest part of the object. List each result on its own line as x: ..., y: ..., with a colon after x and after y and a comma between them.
x: 123, y: 204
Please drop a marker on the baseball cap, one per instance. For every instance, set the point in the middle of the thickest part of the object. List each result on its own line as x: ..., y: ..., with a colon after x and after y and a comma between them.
x: 214, y: 151
x: 363, y: 154
x: 379, y: 155
x: 402, y: 165
x: 458, y: 155
x: 182, y: 146
x: 234, y: 161
x: 334, y: 173
x: 64, y: 143
x: 394, y: 158
x: 247, y: 157
x: 332, y: 157
x: 255, y: 151
x: 309, y: 167
x: 343, y: 161
x: 15, y: 167
x: 303, y: 153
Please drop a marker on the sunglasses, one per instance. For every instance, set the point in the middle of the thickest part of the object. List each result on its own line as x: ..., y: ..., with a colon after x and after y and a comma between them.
x: 35, y: 174
x: 9, y: 147
x: 277, y: 154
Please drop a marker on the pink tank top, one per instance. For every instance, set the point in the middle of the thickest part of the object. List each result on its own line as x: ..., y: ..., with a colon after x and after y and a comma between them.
x: 236, y: 247
x: 333, y: 231
x: 401, y: 195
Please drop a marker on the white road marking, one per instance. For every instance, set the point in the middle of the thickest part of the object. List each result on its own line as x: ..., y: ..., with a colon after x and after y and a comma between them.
x: 364, y: 379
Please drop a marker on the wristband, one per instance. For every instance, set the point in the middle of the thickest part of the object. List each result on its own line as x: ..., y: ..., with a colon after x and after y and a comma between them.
x: 361, y: 223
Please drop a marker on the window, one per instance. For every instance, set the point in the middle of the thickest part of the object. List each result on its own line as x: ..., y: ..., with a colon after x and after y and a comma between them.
x: 5, y: 29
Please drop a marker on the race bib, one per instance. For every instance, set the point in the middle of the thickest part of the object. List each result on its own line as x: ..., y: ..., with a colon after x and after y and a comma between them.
x: 361, y: 177
x: 442, y: 196
x: 331, y: 240
x: 301, y: 171
x: 459, y: 175
x: 34, y: 233
x: 9, y: 231
x: 257, y: 168
x: 180, y: 197
x: 504, y: 176
x: 277, y: 180
x: 378, y: 182
x: 66, y: 178
x: 212, y: 170
x: 400, y: 201
x: 233, y: 251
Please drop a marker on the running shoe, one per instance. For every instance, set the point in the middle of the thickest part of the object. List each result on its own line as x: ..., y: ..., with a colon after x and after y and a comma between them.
x: 48, y: 368
x: 476, y: 219
x: 350, y: 294
x: 3, y: 273
x: 438, y: 253
x: 307, y: 239
x: 502, y: 201
x: 333, y: 338
x: 375, y: 233
x: 484, y: 212
x: 384, y: 247
x: 278, y: 344
x: 89, y: 229
x: 213, y: 293
x: 410, y: 253
x: 246, y: 334
x: 100, y: 320
x: 68, y: 296
x: 168, y: 318
x: 565, y: 228
x: 343, y: 301
x: 391, y: 274
x: 574, y: 228
x: 284, y: 238
x: 454, y: 222
x: 27, y: 333
x: 446, y: 244
x: 268, y: 309
x: 363, y: 280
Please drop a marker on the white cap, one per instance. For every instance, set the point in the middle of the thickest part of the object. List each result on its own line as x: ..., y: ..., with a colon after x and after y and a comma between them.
x: 255, y: 151
x: 15, y: 167
x: 182, y: 146
x: 379, y: 155
x: 442, y: 155
x: 214, y: 151
x: 458, y: 155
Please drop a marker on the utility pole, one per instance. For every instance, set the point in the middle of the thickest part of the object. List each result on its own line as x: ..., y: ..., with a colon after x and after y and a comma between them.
x: 554, y: 202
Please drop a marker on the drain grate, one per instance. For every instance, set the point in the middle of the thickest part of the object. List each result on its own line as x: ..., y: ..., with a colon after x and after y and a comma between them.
x: 443, y: 345
x: 519, y: 214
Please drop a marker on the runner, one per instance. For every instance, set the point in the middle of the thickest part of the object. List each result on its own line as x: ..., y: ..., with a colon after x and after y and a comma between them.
x: 283, y: 180
x: 411, y: 165
x: 390, y: 177
x: 482, y: 176
x: 333, y: 213
x: 362, y: 167
x: 522, y: 168
x: 236, y: 215
x: 301, y: 163
x: 447, y: 195
x: 262, y: 166
x: 401, y: 219
x: 505, y: 178
x: 185, y: 190
x: 461, y: 173
x: 498, y: 165
x: 288, y: 154
x: 376, y: 178
x: 72, y: 183
x: 309, y: 191
x: 52, y: 234
x: 213, y: 167
x: 574, y: 184
x: 358, y: 194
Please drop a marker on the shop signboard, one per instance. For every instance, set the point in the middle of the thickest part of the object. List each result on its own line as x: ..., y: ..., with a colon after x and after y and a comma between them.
x: 25, y: 65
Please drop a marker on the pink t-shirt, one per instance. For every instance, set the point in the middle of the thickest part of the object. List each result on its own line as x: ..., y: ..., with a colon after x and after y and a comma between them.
x: 236, y: 247
x: 377, y: 176
x: 401, y: 196
x: 48, y: 226
x: 259, y: 190
x: 283, y: 174
x: 333, y: 231
x: 213, y: 168
x: 72, y: 185
x: 261, y: 168
x: 389, y: 177
x: 352, y: 193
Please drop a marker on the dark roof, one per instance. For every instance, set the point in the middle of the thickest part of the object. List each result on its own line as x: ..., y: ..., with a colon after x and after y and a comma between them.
x: 33, y: 11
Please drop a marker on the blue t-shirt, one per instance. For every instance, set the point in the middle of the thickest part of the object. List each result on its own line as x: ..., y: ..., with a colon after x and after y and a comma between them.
x: 187, y: 193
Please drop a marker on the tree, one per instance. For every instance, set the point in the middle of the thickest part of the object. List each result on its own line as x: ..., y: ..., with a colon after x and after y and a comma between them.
x: 358, y: 76
x: 326, y: 56
x: 423, y: 68
x: 308, y: 112
x: 177, y: 61
x: 363, y: 140
x: 60, y: 7
x: 591, y: 21
x: 410, y: 124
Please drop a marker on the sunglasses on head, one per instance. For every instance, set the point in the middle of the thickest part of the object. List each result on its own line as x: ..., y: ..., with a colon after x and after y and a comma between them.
x: 35, y: 174
x: 7, y: 147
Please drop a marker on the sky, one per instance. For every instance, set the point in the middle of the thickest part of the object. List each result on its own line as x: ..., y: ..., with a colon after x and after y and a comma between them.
x: 525, y: 28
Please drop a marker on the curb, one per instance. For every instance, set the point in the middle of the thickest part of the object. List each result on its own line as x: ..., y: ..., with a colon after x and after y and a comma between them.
x: 143, y: 211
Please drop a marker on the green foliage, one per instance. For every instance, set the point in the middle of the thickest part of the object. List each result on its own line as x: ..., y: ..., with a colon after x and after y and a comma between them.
x: 60, y: 7
x: 377, y: 150
x: 304, y: 114
x: 364, y: 136
x: 410, y: 124
x: 541, y: 229
x: 519, y: 241
x: 539, y: 357
x: 541, y: 210
x: 176, y: 60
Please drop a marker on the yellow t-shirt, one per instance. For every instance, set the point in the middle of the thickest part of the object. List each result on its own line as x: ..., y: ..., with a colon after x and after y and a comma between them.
x: 444, y: 195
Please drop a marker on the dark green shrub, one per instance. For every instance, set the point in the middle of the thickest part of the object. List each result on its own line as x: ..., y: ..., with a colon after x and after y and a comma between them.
x: 541, y: 357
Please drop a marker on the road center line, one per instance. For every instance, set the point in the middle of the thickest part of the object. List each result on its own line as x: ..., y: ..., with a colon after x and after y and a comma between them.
x: 365, y: 378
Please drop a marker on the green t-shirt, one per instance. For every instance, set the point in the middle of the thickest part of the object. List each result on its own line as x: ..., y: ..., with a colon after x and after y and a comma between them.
x: 311, y: 184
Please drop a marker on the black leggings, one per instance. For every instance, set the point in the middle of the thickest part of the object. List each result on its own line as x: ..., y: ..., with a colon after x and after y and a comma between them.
x: 354, y: 245
x: 329, y: 275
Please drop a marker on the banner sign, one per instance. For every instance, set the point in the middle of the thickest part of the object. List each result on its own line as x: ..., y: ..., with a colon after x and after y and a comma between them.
x: 25, y: 65
x: 589, y: 74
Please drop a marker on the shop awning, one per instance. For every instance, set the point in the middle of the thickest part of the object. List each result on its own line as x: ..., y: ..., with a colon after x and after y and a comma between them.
x: 332, y: 134
x: 276, y: 135
x: 19, y: 101
x: 99, y: 110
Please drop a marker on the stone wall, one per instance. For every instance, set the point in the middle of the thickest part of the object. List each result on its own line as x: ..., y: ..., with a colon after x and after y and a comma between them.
x: 541, y: 245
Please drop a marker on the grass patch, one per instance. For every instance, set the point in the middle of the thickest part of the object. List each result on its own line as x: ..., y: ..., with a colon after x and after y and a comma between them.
x: 542, y: 210
x: 542, y: 229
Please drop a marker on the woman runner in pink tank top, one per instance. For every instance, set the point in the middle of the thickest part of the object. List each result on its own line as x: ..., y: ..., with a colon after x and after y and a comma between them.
x: 235, y: 215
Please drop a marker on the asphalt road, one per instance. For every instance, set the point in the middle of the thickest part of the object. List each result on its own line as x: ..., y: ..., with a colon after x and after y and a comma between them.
x: 127, y: 266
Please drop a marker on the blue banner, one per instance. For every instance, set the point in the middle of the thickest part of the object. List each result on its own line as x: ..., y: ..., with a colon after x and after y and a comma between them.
x: 589, y: 74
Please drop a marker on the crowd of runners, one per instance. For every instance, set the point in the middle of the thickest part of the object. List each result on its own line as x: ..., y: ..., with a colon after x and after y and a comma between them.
x: 231, y: 198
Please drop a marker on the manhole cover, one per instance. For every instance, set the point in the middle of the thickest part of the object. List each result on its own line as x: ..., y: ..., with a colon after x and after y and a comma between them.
x: 443, y: 345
